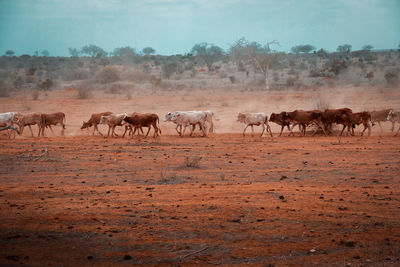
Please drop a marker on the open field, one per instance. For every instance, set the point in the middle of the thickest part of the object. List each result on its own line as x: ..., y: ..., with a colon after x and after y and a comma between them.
x: 225, y: 199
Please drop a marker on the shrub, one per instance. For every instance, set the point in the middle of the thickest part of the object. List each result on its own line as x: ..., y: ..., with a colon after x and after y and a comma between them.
x: 46, y: 85
x: 155, y: 81
x: 392, y: 78
x: 35, y: 95
x: 232, y: 79
x: 83, y: 93
x: 135, y: 75
x: 108, y: 74
x: 4, y: 91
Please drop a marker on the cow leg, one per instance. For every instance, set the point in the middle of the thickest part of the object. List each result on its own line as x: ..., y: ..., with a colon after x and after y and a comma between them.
x: 51, y: 130
x: 179, y: 132
x: 282, y: 126
x: 126, y: 129
x: 184, y: 129
x: 191, y: 129
x: 393, y: 125
x: 203, y: 128
x: 320, y: 124
x: 380, y: 126
x: 30, y: 128
x: 291, y: 130
x: 245, y: 129
x: 397, y: 131
x: 269, y: 130
x: 97, y: 128
x: 344, y: 127
x: 263, y: 129
x: 113, y: 131
x: 148, y: 131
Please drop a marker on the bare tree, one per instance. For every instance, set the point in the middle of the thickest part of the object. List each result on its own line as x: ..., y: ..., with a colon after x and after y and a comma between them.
x: 208, y: 53
x: 74, y: 52
x: 260, y: 57
x: 168, y: 69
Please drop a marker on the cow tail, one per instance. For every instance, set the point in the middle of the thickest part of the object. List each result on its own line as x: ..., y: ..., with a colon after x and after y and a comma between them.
x: 158, y: 122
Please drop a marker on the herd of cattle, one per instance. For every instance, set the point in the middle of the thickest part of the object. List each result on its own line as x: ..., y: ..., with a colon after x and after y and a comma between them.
x: 322, y: 120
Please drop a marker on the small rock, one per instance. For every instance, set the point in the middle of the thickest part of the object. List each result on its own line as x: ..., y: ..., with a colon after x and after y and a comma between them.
x: 127, y: 257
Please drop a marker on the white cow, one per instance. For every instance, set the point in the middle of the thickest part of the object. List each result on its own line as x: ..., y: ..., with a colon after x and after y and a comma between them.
x: 251, y: 119
x: 113, y: 120
x: 189, y: 118
x: 394, y: 116
x: 8, y: 119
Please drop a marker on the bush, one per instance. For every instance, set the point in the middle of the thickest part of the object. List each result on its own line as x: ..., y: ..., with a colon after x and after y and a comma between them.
x: 4, y: 91
x: 232, y: 79
x: 155, y: 81
x: 46, y: 85
x: 135, y: 75
x: 83, y: 93
x: 108, y: 74
x: 35, y: 95
x: 392, y: 78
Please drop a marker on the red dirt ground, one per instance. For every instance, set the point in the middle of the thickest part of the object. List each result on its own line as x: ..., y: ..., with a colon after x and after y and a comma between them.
x: 220, y: 200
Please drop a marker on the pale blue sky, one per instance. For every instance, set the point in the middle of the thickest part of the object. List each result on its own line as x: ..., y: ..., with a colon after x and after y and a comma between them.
x: 174, y: 26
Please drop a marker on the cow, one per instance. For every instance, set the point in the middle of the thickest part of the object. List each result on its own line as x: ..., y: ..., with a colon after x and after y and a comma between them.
x: 251, y: 119
x: 113, y: 120
x: 46, y: 120
x: 329, y: 116
x: 94, y: 121
x: 8, y: 119
x: 277, y: 118
x: 350, y: 120
x: 304, y: 118
x: 188, y: 118
x: 28, y: 120
x: 394, y: 116
x: 381, y: 116
x: 138, y: 121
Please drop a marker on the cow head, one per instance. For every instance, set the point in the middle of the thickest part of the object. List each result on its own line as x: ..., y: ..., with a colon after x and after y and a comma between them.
x: 241, y: 117
x: 85, y: 125
x: 168, y: 116
x: 391, y: 115
x: 273, y: 117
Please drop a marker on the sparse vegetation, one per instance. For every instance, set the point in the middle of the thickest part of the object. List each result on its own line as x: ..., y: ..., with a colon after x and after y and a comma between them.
x: 244, y: 65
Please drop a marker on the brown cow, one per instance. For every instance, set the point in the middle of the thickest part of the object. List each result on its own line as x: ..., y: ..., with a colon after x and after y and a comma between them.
x: 277, y: 118
x: 304, y: 118
x: 381, y: 116
x: 94, y: 121
x: 138, y: 120
x: 350, y: 120
x: 46, y: 120
x: 329, y: 116
x: 28, y: 120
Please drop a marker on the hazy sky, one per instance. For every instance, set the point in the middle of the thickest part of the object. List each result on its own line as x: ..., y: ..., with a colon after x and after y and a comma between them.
x: 174, y: 26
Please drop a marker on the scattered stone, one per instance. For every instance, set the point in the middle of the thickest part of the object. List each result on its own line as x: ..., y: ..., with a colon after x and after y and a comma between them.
x: 127, y: 257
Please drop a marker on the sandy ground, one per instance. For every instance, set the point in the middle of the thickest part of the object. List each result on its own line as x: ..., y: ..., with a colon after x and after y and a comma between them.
x: 225, y: 199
